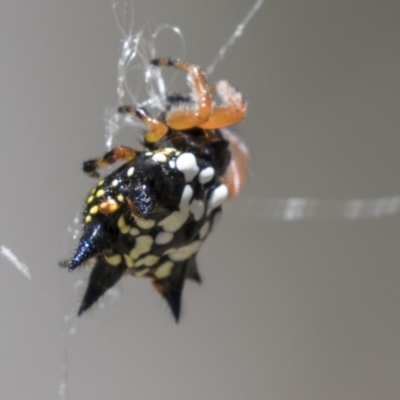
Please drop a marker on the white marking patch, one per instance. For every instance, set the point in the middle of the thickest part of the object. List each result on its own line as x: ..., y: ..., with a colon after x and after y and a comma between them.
x: 172, y: 164
x: 128, y: 261
x: 141, y: 273
x: 204, y: 230
x: 187, y: 194
x: 159, y: 157
x: 164, y: 237
x: 125, y: 229
x: 175, y: 220
x: 130, y: 172
x: 186, y: 163
x: 143, y: 245
x: 164, y: 270
x: 144, y: 223
x: 148, y: 261
x: 134, y: 232
x: 197, y: 209
x: 218, y: 196
x: 206, y: 175
x: 122, y: 225
x: 114, y: 182
x: 121, y: 222
x: 183, y: 253
x: 169, y: 150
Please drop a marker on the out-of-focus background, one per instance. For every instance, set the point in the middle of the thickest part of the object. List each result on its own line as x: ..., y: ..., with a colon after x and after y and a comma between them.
x: 303, y: 309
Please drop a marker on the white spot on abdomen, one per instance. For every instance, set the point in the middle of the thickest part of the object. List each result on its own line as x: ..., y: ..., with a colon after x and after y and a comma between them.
x: 164, y: 237
x: 206, y: 175
x: 175, y: 220
x: 144, y: 223
x: 164, y: 270
x: 143, y: 245
x: 187, y: 194
x: 197, y: 209
x: 130, y: 172
x: 183, y: 253
x: 159, y: 157
x: 148, y: 261
x: 218, y: 196
x: 186, y: 163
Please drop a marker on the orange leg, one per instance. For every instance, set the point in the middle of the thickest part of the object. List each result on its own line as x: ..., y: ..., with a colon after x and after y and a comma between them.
x: 124, y: 153
x: 157, y: 129
x: 186, y: 118
x: 232, y: 110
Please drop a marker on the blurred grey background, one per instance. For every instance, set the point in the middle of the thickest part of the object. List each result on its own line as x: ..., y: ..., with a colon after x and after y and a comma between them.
x: 289, y: 310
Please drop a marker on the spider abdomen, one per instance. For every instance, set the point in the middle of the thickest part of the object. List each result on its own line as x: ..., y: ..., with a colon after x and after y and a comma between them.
x: 160, y: 207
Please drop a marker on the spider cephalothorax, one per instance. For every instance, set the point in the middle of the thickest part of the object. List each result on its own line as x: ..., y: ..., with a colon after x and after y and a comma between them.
x: 151, y: 215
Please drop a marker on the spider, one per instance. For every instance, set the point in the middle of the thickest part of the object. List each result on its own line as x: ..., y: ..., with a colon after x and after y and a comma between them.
x: 151, y: 215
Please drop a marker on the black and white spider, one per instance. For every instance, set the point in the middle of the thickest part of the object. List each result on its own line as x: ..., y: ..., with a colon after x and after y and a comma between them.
x: 150, y: 216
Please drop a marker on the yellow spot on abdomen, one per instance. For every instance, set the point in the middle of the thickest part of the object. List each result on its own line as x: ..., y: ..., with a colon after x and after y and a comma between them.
x: 164, y: 270
x: 114, y: 260
x: 144, y: 223
x: 128, y: 261
x: 94, y: 210
x: 141, y: 273
x: 148, y: 261
x: 121, y: 222
x: 143, y: 245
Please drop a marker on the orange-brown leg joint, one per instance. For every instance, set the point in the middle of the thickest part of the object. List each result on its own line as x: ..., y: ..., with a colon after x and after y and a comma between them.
x: 108, y: 207
x: 232, y: 110
x: 119, y: 153
x: 157, y: 129
x: 181, y: 119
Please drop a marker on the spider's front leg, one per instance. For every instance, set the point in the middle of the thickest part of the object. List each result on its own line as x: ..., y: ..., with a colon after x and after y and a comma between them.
x: 157, y: 129
x: 186, y: 118
x: 232, y: 110
x: 123, y: 153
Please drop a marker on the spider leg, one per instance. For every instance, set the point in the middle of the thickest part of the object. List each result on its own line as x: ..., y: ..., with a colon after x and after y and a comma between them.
x: 236, y: 173
x: 232, y: 110
x: 124, y: 153
x: 185, y: 118
x: 157, y: 129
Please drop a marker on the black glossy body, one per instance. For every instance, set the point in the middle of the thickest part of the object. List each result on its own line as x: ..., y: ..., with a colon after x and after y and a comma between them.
x: 158, y: 224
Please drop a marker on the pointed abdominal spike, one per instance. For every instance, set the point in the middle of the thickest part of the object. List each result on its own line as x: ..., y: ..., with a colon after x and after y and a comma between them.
x: 94, y: 240
x: 192, y: 271
x: 171, y: 289
x: 102, y: 278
